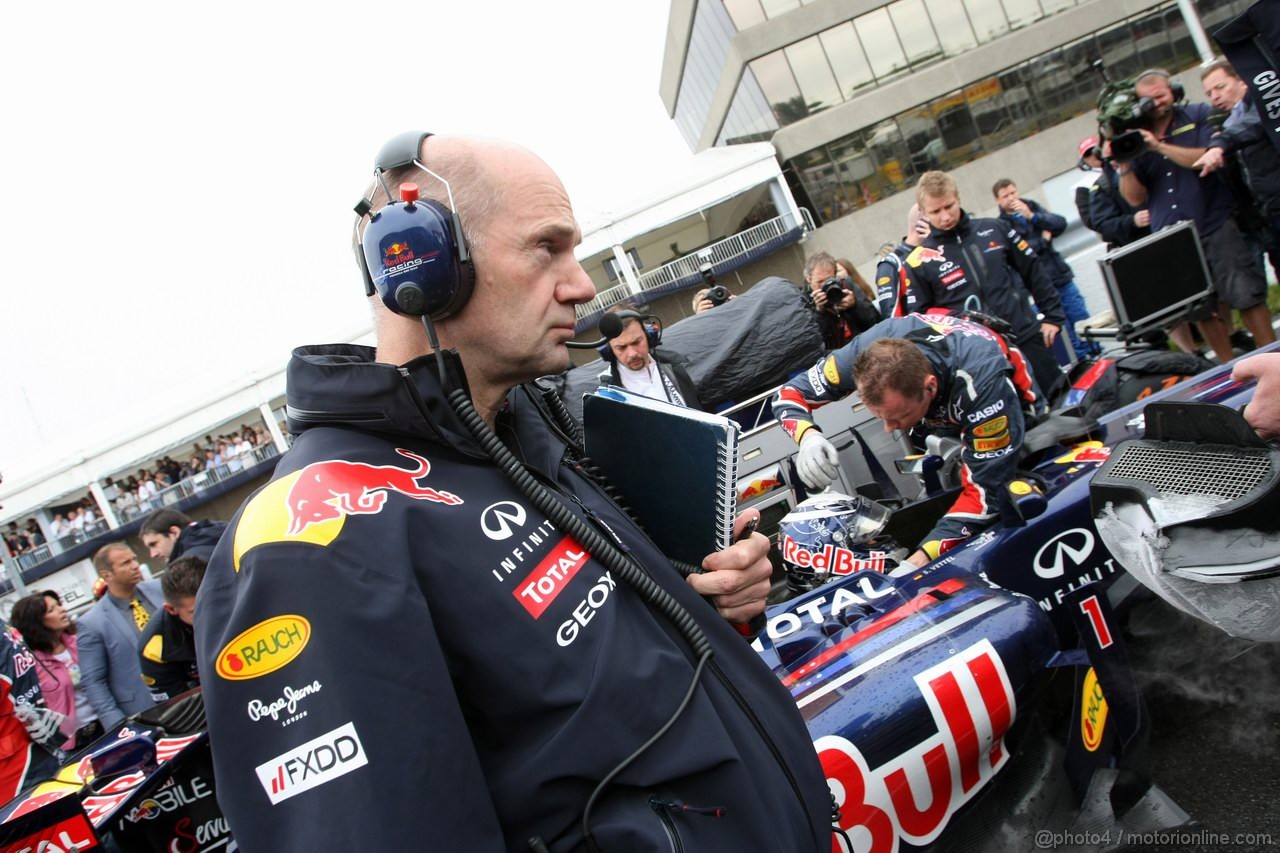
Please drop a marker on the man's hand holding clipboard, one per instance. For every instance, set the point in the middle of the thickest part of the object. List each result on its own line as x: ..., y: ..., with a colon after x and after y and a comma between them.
x: 737, y: 579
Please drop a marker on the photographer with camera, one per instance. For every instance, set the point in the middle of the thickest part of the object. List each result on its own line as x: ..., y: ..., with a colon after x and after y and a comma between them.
x: 1161, y: 174
x: 840, y: 306
x: 1038, y: 226
x: 709, y: 297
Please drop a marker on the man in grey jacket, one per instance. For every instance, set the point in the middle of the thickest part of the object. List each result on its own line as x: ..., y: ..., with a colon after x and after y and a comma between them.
x: 108, y: 636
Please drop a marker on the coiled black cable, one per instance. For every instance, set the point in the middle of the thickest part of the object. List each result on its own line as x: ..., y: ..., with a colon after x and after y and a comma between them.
x: 596, y: 545
x: 606, y: 552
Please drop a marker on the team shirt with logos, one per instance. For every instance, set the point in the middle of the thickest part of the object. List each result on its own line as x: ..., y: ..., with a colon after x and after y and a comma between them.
x: 976, y: 396
x: 400, y: 651
x: 980, y: 265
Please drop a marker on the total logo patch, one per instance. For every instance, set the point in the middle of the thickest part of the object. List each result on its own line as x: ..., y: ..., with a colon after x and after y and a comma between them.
x: 986, y: 445
x: 551, y: 576
x: 312, y: 764
x: 264, y: 648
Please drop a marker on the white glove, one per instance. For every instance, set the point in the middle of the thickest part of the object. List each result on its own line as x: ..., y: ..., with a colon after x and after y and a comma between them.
x: 816, y: 462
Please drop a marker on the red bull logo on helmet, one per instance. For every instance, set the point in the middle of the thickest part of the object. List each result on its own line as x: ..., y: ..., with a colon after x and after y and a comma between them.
x: 837, y: 561
x: 312, y: 505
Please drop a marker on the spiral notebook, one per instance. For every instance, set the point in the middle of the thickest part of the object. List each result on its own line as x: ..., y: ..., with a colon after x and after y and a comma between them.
x: 676, y: 468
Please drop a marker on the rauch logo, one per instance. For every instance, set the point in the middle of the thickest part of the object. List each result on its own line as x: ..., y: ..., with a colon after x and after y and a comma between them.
x: 264, y: 648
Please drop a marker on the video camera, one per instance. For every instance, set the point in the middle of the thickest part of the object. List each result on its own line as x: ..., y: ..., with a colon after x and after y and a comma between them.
x: 717, y: 295
x: 1122, y: 115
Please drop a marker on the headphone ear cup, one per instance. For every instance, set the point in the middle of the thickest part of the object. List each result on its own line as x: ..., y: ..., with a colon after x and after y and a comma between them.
x: 1179, y: 93
x: 411, y: 258
x: 653, y: 334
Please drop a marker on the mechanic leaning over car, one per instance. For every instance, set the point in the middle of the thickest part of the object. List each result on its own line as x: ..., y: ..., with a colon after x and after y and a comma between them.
x: 433, y: 629
x: 936, y: 371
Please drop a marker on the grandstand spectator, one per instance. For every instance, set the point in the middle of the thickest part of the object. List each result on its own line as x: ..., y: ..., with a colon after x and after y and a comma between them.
x: 60, y: 527
x: 34, y: 534
x: 15, y: 540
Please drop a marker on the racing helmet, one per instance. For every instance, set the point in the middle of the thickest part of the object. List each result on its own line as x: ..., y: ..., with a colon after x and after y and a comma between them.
x: 831, y: 535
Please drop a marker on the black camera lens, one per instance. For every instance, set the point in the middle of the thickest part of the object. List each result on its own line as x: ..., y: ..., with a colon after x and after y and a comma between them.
x: 1127, y: 146
x: 718, y: 295
x: 834, y: 289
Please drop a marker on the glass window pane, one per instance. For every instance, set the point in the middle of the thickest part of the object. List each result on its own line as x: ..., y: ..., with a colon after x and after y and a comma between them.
x: 914, y: 31
x: 952, y: 26
x: 880, y: 42
x: 815, y: 171
x: 774, y: 8
x: 1021, y: 12
x: 773, y: 72
x: 745, y: 13
x: 1153, y: 45
x: 1184, y: 49
x: 959, y: 132
x: 1214, y: 13
x: 923, y: 140
x: 1119, y: 56
x: 854, y: 169
x: 847, y: 59
x: 889, y: 152
x: 817, y: 83
x: 987, y: 18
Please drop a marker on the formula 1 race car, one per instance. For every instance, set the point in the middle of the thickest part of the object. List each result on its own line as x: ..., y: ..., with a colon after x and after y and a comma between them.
x: 147, y: 785
x: 960, y: 706
x: 928, y: 693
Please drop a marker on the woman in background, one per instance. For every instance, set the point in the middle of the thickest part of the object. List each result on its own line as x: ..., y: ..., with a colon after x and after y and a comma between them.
x: 50, y: 634
x: 847, y: 269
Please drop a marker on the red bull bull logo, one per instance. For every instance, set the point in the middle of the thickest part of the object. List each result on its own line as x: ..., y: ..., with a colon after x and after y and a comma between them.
x: 312, y: 505
x: 326, y: 490
x: 397, y: 253
x: 923, y: 254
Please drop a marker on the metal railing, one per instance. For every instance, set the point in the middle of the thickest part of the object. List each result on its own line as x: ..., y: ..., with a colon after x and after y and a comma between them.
x: 189, y: 486
x: 718, y: 253
x: 54, y: 547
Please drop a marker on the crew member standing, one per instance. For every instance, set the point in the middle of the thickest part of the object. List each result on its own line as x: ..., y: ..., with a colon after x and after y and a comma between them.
x: 983, y: 265
x: 478, y: 643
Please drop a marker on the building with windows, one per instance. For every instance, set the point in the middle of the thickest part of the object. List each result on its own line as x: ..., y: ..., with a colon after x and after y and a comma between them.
x: 860, y: 98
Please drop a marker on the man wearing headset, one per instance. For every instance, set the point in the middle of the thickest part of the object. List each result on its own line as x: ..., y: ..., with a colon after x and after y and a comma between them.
x: 1164, y: 178
x: 647, y: 370
x: 433, y: 629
